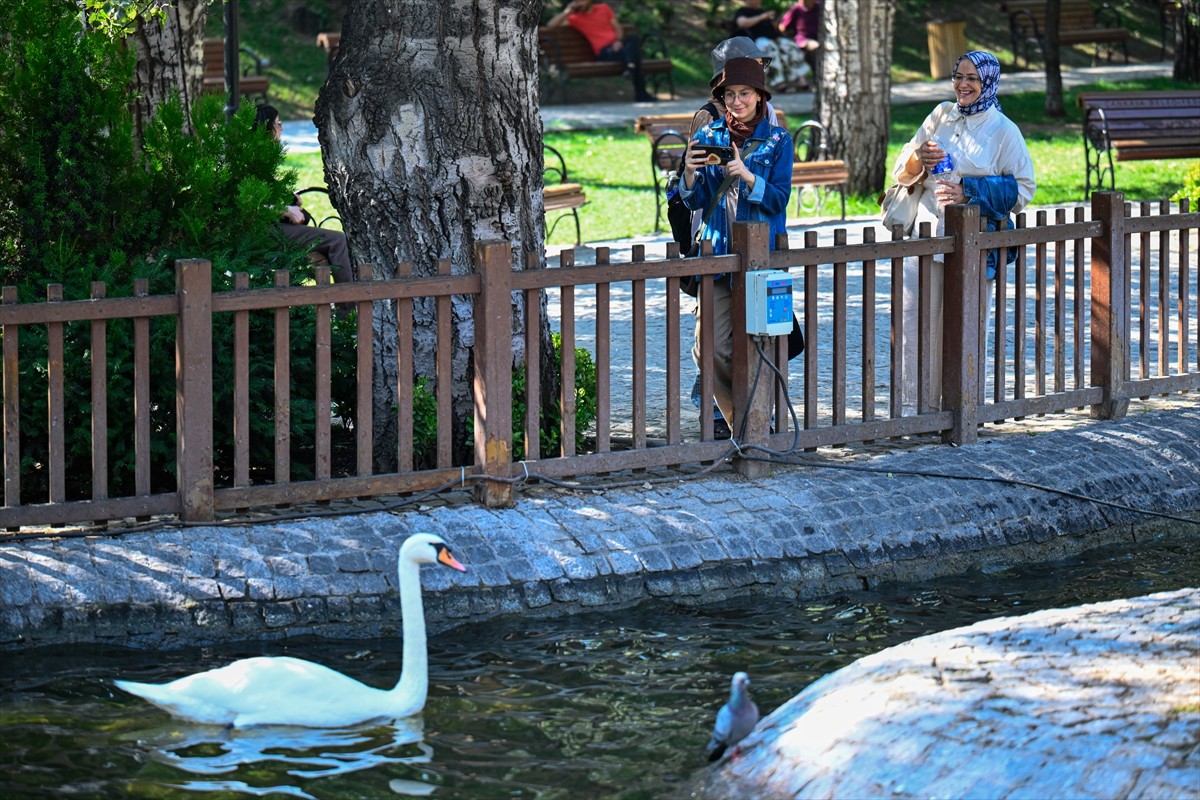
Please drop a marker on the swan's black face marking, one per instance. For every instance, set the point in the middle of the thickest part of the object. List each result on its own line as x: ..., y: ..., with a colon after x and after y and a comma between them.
x: 444, y: 556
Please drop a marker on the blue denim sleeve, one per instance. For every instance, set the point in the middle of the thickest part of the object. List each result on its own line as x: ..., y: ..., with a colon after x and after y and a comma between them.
x: 994, y: 194
x: 774, y: 192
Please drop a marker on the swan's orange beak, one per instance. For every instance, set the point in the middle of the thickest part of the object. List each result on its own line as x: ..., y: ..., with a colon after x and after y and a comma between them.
x: 445, y: 557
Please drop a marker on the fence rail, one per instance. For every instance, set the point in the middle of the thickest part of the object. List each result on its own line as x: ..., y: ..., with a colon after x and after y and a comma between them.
x: 1094, y: 312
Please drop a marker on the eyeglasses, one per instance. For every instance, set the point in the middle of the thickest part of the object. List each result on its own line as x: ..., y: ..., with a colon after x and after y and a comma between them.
x: 957, y: 78
x: 745, y: 96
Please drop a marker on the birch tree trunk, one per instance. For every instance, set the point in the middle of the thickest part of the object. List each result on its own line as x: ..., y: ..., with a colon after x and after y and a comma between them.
x: 169, y: 60
x: 854, y: 102
x: 431, y: 136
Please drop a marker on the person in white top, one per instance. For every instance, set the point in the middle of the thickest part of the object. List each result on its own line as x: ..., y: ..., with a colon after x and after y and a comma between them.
x: 966, y: 151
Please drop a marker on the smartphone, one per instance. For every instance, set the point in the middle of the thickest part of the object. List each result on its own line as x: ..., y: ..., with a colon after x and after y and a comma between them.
x: 716, y: 154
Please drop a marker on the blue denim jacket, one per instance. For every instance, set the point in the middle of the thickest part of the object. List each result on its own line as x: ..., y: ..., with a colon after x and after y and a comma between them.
x: 995, y: 195
x: 771, y: 164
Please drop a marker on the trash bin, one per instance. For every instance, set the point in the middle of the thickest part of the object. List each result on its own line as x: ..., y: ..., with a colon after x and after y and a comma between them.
x: 947, y: 41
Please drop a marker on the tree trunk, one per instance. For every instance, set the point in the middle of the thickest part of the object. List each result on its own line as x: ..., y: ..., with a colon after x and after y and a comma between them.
x: 1054, y: 85
x: 432, y: 141
x: 854, y: 103
x: 169, y: 60
x: 1187, y: 41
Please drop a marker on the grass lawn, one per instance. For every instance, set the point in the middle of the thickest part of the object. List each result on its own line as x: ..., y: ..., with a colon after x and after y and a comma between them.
x: 613, y: 165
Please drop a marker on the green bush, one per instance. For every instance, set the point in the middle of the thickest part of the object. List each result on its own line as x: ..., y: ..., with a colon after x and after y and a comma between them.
x: 551, y: 421
x: 81, y: 202
x: 1191, y: 186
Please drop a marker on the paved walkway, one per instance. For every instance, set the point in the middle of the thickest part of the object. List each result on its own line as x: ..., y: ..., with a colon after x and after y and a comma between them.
x: 1101, y: 700
x: 301, y: 135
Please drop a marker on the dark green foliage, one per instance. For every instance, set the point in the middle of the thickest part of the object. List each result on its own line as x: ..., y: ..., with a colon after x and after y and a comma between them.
x: 69, y: 187
x: 551, y: 422
x: 81, y: 202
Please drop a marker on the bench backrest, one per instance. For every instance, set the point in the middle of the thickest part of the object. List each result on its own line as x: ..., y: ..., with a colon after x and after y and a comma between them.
x: 1031, y: 21
x: 1142, y: 117
x: 214, y: 59
x: 1181, y: 98
x: 565, y: 45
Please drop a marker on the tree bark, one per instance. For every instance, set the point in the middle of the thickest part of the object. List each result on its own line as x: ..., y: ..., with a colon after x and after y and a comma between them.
x: 431, y: 137
x: 1054, y: 85
x: 169, y: 60
x: 854, y: 103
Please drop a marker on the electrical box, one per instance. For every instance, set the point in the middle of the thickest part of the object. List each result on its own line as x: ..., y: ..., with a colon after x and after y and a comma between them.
x: 768, y: 303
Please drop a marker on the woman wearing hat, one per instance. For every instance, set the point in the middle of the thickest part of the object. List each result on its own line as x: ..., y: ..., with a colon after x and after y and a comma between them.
x: 735, y: 47
x: 762, y: 185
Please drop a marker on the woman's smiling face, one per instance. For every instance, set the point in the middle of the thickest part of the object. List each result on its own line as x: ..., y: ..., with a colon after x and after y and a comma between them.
x: 742, y: 101
x: 967, y: 83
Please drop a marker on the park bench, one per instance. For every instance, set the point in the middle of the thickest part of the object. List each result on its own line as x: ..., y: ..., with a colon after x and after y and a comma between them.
x: 214, y: 70
x: 814, y: 166
x: 1076, y: 25
x: 563, y: 54
x: 557, y: 193
x: 1137, y: 126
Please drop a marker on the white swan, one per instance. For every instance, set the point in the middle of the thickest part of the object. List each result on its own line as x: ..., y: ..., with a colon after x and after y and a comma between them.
x: 291, y: 691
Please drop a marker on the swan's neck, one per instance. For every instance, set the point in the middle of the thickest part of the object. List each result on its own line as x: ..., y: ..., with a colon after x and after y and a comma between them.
x: 414, y: 672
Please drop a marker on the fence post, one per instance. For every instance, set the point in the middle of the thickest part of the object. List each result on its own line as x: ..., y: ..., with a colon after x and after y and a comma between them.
x: 750, y: 241
x: 194, y: 390
x: 1110, y: 315
x: 960, y: 313
x: 493, y: 371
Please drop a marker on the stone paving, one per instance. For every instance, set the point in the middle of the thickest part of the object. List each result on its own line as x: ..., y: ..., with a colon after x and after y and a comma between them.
x: 1101, y: 700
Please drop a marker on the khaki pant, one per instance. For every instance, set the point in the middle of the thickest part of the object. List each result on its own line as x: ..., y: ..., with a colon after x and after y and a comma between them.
x: 909, y: 331
x: 722, y: 345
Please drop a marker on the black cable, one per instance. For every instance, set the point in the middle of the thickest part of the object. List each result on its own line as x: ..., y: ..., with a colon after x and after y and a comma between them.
x: 984, y: 478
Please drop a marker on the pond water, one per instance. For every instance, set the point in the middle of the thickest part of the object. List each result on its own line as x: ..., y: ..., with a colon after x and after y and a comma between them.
x: 615, y: 705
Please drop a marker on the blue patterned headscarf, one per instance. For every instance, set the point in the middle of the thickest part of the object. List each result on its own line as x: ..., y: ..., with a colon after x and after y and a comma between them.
x: 989, y: 76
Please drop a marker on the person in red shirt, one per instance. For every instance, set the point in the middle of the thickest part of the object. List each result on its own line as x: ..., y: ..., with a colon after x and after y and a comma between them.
x: 600, y: 26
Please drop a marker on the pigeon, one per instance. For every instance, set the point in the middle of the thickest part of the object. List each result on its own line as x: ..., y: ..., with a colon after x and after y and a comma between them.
x: 735, y: 719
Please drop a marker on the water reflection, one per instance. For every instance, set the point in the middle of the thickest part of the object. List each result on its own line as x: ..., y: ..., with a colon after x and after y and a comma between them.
x: 311, y: 753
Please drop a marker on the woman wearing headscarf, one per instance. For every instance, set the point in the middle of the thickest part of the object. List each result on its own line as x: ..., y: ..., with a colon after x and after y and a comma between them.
x: 762, y: 171
x: 966, y: 151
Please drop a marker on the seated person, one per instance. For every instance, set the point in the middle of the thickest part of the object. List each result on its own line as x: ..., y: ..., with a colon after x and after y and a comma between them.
x: 802, y: 22
x: 600, y: 26
x: 789, y: 70
x: 331, y: 244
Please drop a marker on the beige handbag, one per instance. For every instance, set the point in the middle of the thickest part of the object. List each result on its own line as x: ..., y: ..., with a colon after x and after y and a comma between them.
x: 899, y: 204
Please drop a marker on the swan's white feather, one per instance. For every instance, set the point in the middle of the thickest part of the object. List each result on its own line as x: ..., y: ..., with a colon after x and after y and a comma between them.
x: 291, y: 691
x: 276, y: 691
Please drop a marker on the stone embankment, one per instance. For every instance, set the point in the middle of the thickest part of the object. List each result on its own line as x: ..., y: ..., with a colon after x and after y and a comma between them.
x: 803, y: 532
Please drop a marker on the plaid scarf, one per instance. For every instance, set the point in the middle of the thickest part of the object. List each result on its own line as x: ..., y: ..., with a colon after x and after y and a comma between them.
x: 989, y: 76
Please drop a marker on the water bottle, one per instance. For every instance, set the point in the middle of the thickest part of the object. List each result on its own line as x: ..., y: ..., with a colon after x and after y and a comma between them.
x: 946, y: 165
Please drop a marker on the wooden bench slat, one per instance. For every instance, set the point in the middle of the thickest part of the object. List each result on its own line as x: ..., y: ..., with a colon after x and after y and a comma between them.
x: 564, y: 54
x: 1078, y: 24
x: 820, y: 173
x: 1137, y: 126
x: 214, y: 72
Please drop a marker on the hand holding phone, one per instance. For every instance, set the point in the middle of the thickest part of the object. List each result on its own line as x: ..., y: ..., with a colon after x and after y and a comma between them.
x: 715, y: 154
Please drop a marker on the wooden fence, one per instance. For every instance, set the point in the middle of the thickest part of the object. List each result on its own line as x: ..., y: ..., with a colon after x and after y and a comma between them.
x: 1088, y: 299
